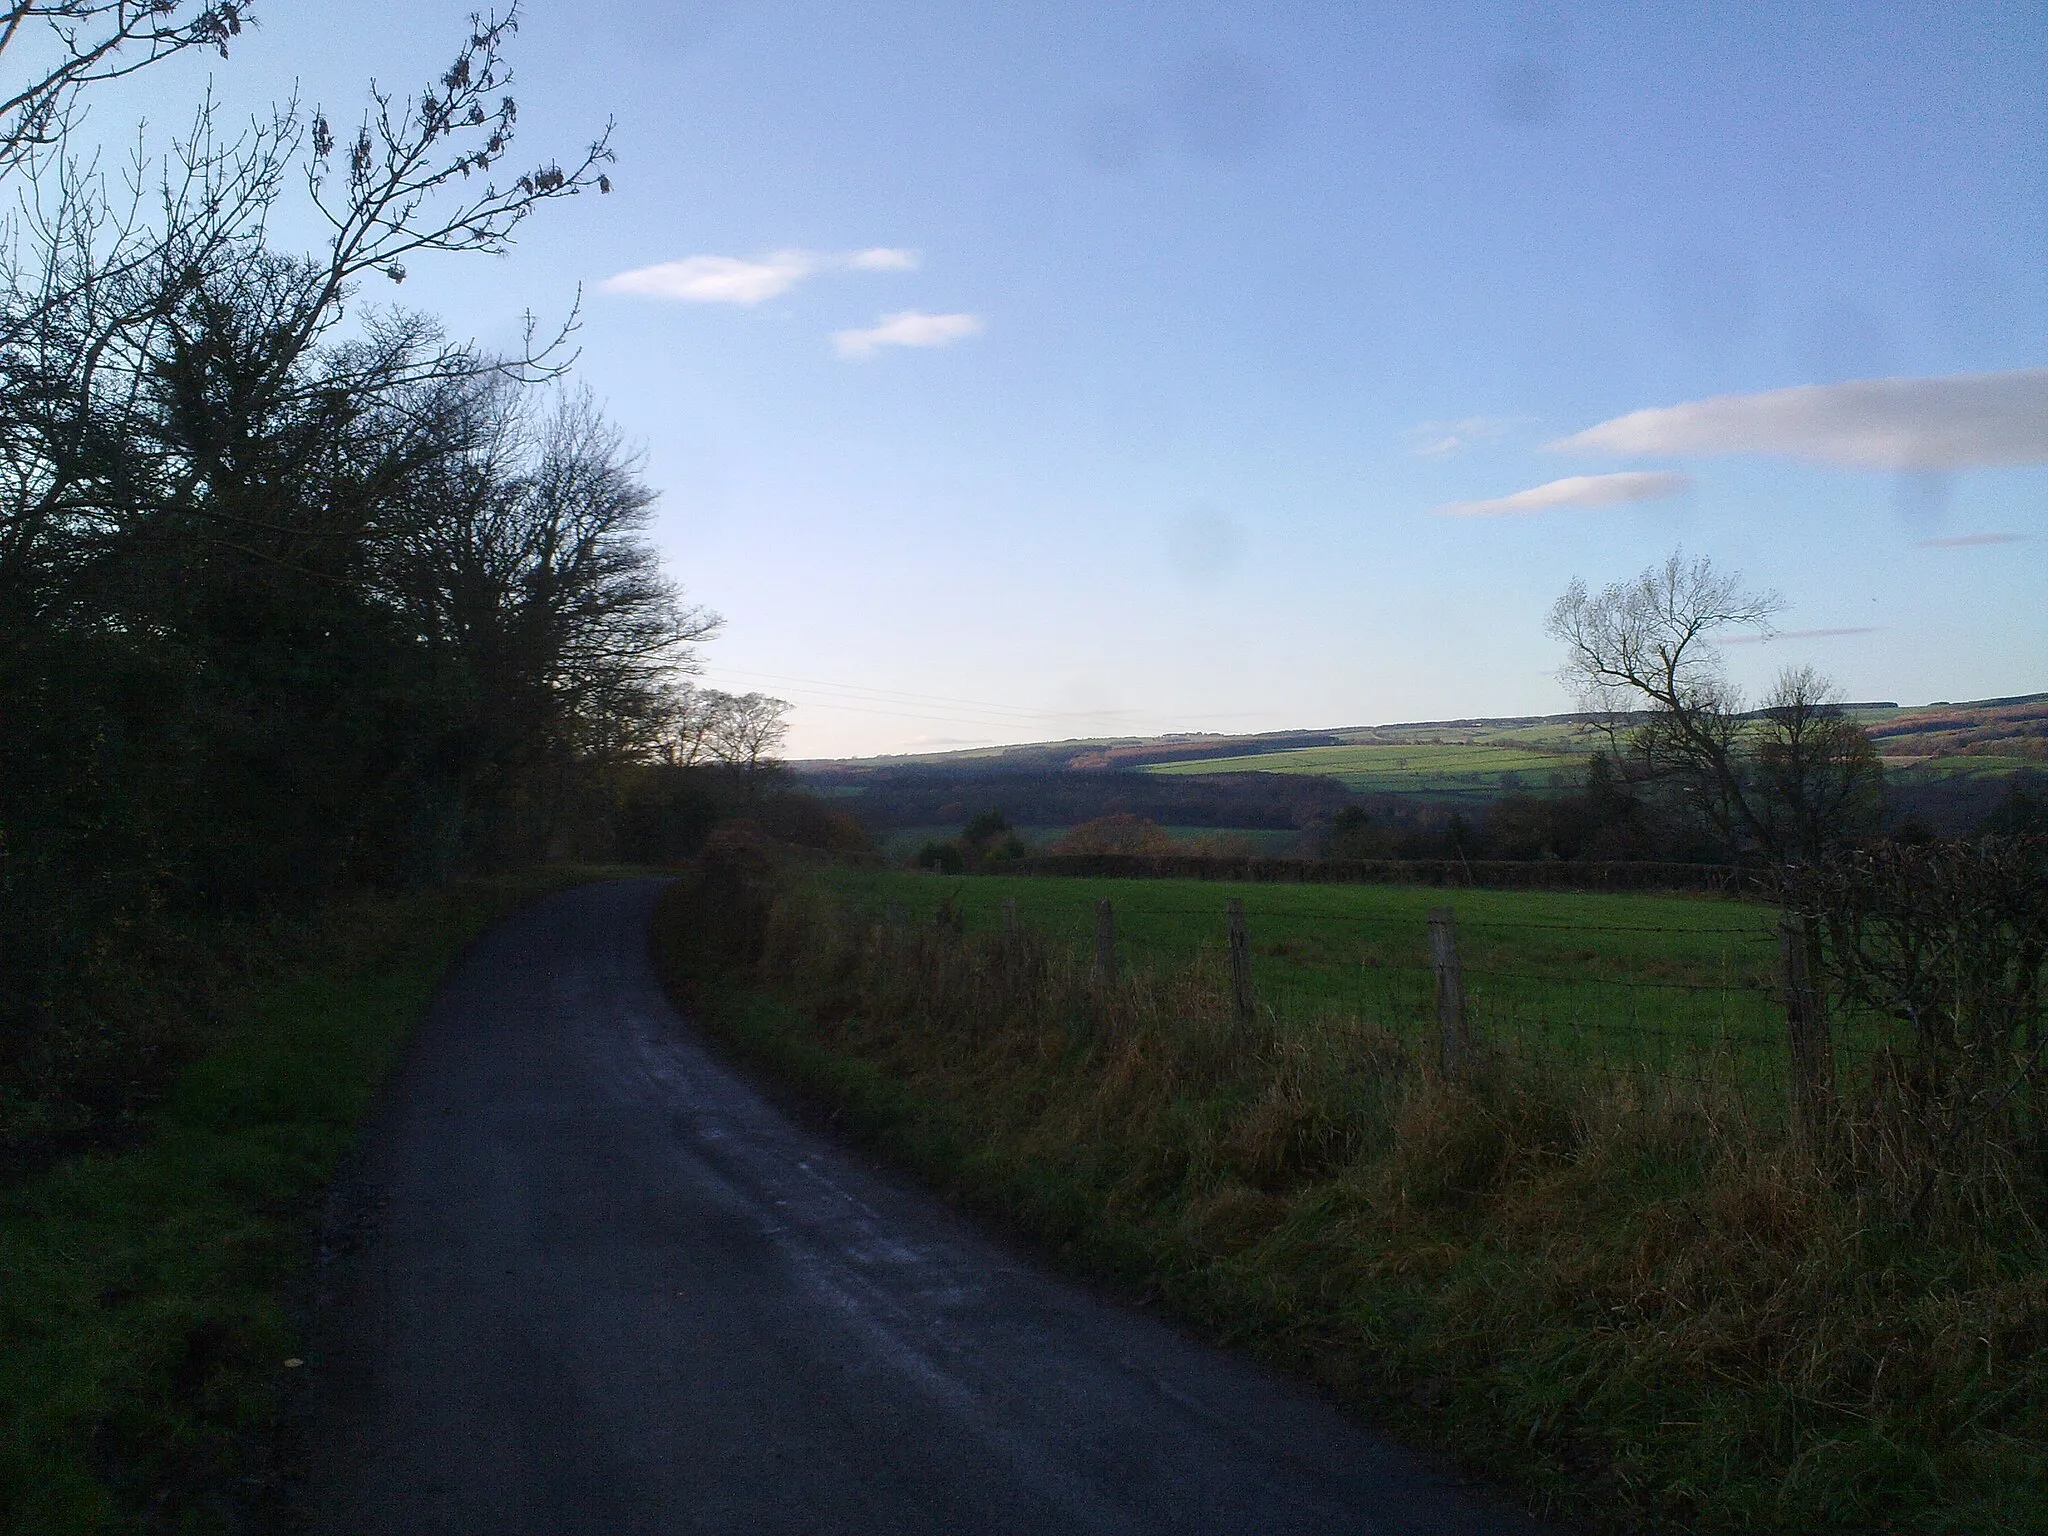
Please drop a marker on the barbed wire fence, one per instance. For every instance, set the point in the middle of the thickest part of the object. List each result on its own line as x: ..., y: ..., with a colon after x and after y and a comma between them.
x: 1723, y: 1009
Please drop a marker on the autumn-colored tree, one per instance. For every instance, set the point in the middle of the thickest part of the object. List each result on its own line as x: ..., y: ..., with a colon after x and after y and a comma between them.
x: 1121, y: 833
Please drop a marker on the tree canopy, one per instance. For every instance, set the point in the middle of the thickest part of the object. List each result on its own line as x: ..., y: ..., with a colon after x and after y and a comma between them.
x: 297, y: 593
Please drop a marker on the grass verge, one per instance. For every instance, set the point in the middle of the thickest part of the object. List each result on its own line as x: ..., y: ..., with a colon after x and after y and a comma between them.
x: 1645, y: 1312
x: 145, y: 1318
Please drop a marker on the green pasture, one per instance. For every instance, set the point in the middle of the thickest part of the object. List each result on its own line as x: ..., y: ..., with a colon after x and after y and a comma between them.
x: 1665, y: 982
x: 1558, y: 735
x: 1439, y: 770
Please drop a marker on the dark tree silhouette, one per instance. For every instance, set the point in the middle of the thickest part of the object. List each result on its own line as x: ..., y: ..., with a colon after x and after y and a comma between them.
x: 1784, y: 781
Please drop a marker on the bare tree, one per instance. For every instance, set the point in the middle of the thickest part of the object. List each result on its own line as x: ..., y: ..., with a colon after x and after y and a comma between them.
x: 153, y: 345
x: 749, y: 731
x: 420, y: 173
x: 522, y: 553
x: 70, y: 45
x: 742, y: 731
x: 693, y: 725
x: 1645, y: 656
x: 1815, y: 775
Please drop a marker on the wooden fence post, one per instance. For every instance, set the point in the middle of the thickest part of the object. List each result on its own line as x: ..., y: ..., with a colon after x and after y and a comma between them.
x: 1450, y: 989
x: 1105, y: 940
x: 1806, y: 1019
x: 1009, y: 915
x: 1240, y: 963
x: 893, y: 914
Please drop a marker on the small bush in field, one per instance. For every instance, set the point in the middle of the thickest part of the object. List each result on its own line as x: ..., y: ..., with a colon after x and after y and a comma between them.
x: 1122, y: 833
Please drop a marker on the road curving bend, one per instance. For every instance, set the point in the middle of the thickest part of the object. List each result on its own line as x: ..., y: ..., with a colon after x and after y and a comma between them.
x: 587, y: 1279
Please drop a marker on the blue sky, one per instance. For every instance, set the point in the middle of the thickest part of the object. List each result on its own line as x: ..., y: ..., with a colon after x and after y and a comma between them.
x: 1072, y: 369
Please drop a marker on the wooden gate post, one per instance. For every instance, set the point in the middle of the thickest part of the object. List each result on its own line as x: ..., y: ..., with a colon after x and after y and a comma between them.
x: 1811, y: 1054
x: 1450, y: 990
x: 1240, y: 963
x: 1105, y: 941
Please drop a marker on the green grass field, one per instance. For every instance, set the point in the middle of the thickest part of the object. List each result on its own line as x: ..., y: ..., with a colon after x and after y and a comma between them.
x: 1662, y: 982
x: 1440, y: 770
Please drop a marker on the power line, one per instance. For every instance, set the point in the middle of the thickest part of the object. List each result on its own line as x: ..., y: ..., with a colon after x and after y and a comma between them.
x: 889, y: 695
x: 870, y: 700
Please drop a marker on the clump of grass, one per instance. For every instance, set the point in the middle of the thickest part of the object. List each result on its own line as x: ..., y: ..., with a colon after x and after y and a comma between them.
x: 1641, y: 1302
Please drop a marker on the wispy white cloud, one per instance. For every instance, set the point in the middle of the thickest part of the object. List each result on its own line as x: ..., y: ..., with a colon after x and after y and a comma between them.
x: 1574, y: 491
x: 1434, y: 439
x: 1962, y: 422
x: 885, y: 258
x: 718, y: 279
x: 1799, y: 634
x: 747, y: 281
x: 1973, y: 540
x: 906, y: 328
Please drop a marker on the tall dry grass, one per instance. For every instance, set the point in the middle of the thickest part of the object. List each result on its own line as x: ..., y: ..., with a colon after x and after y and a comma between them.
x: 1645, y: 1302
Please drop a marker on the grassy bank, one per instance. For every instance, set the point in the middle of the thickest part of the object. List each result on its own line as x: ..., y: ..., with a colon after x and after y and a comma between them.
x: 1648, y: 1310
x: 145, y: 1326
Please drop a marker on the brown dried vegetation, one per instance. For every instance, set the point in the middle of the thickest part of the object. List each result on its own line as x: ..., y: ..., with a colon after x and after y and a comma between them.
x: 1647, y: 1304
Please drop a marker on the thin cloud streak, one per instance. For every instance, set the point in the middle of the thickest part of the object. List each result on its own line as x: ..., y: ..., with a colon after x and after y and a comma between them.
x: 1434, y: 439
x: 1578, y: 491
x: 744, y: 281
x: 1967, y: 421
x: 906, y: 328
x: 884, y: 258
x: 1973, y: 540
x: 1800, y: 634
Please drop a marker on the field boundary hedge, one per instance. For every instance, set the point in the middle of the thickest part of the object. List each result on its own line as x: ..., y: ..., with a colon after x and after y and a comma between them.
x: 1552, y: 874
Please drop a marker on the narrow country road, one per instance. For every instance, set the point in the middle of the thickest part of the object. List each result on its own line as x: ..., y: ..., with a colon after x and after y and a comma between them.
x: 589, y: 1280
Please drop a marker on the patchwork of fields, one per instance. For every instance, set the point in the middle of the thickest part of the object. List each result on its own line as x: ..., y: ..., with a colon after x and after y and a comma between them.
x: 1458, y: 762
x: 1474, y: 761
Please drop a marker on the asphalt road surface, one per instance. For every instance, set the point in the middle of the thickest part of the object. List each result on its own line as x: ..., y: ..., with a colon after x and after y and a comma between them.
x: 587, y: 1279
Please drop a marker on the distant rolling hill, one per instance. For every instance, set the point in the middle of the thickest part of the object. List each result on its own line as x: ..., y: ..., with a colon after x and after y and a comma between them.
x: 1933, y: 754
x: 1994, y: 736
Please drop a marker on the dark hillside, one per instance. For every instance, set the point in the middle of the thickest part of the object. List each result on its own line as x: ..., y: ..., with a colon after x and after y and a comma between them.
x: 921, y: 796
x: 1078, y: 755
